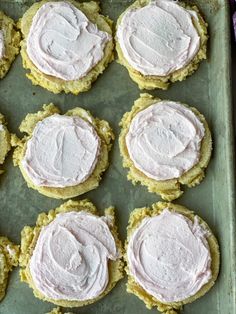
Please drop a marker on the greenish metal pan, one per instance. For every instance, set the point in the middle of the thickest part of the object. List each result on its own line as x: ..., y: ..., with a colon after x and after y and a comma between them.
x: 112, y: 95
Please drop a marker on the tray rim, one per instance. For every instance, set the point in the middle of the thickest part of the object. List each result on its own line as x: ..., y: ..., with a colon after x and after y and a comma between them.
x: 227, y: 88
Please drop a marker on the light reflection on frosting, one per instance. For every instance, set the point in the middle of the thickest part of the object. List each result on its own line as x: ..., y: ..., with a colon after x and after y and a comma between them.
x: 2, y: 45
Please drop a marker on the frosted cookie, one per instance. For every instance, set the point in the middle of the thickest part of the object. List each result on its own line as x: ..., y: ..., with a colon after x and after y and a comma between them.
x: 172, y: 256
x: 164, y: 144
x: 9, y: 43
x: 72, y: 257
x: 62, y: 156
x: 9, y: 255
x: 160, y: 41
x: 5, y: 145
x: 58, y: 311
x: 66, y: 44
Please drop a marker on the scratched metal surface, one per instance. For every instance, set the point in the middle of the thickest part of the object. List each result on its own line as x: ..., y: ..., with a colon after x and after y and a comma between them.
x: 112, y: 95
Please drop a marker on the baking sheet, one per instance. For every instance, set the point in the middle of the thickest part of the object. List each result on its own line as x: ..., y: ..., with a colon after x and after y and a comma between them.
x: 113, y: 94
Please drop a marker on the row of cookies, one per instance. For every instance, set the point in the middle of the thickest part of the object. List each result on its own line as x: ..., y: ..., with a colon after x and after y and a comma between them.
x: 164, y: 144
x: 67, y: 44
x: 73, y: 256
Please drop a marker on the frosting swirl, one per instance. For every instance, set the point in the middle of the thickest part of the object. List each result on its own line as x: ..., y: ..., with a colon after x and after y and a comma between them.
x: 169, y: 257
x: 164, y: 140
x: 63, y: 151
x: 62, y: 42
x: 2, y: 45
x: 70, y: 259
x: 159, y: 38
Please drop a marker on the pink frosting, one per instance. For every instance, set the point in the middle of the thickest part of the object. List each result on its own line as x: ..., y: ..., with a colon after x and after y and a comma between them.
x: 70, y: 259
x: 62, y: 42
x: 169, y: 257
x: 63, y: 151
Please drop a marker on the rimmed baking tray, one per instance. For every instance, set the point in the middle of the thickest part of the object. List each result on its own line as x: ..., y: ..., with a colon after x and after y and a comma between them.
x: 113, y: 94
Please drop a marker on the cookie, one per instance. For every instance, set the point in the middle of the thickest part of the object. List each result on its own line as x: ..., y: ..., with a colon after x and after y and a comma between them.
x: 9, y: 43
x: 164, y: 144
x: 9, y: 255
x: 172, y: 256
x: 160, y: 42
x: 60, y: 60
x: 62, y: 156
x: 58, y: 311
x: 5, y: 145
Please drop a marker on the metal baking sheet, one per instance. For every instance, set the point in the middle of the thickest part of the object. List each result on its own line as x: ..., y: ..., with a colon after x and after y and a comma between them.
x: 112, y: 95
